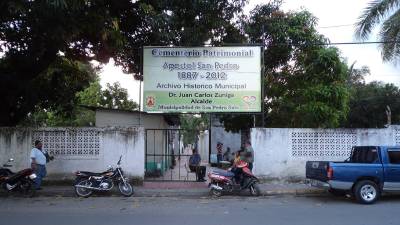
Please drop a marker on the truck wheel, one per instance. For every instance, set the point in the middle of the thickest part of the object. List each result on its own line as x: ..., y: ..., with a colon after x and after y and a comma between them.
x: 366, y: 192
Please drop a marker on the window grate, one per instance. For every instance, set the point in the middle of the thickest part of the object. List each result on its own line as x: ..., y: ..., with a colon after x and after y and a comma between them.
x: 69, y: 142
x: 322, y: 144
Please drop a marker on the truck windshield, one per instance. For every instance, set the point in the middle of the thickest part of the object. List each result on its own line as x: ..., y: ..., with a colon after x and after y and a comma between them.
x: 365, y: 154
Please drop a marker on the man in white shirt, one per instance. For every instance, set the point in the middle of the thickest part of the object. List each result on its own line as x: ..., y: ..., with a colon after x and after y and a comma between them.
x: 38, y: 163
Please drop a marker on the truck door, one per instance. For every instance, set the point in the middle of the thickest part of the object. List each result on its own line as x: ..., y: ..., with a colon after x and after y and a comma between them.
x: 392, y: 170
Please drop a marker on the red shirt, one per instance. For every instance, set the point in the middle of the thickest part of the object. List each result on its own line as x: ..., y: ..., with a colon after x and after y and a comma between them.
x: 219, y: 149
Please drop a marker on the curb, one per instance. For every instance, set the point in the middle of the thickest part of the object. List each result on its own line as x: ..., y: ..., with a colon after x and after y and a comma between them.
x: 198, y: 193
x: 295, y: 192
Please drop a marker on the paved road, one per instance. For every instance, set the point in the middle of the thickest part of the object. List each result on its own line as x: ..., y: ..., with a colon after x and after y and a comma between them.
x: 196, y: 211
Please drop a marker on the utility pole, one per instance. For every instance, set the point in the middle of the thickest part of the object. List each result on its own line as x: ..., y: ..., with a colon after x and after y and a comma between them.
x: 209, y: 138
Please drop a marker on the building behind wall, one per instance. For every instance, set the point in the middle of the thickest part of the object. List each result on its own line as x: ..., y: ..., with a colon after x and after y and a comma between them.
x: 161, y: 140
x: 127, y: 118
x: 156, y: 136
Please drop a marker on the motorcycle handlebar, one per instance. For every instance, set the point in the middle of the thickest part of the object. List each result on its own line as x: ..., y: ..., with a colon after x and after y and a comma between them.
x: 119, y: 161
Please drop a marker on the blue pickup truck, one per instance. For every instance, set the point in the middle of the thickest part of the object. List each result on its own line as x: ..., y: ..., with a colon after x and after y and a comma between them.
x: 369, y: 171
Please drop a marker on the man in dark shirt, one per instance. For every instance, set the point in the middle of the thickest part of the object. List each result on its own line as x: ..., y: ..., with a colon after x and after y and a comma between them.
x: 219, y: 151
x: 227, y: 155
x: 194, y: 166
x: 248, y: 154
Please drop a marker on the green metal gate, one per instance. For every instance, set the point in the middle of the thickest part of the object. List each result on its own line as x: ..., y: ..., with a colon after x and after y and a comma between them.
x: 165, y: 156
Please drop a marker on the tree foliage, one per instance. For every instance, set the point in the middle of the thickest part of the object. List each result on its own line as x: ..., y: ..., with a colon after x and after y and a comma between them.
x: 192, y: 125
x: 369, y: 104
x: 387, y: 14
x: 37, y: 35
x: 113, y: 97
x: 54, y: 89
x: 305, y: 81
x: 46, y: 47
x: 116, y: 97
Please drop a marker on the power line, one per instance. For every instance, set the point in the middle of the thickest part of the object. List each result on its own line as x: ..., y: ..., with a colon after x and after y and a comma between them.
x: 336, y: 43
x: 362, y: 43
x: 385, y: 75
x: 336, y: 26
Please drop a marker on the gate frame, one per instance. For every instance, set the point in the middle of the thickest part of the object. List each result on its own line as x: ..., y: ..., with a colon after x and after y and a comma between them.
x: 165, y: 133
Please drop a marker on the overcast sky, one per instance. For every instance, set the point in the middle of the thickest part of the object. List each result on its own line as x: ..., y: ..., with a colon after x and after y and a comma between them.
x: 330, y: 13
x: 345, y: 12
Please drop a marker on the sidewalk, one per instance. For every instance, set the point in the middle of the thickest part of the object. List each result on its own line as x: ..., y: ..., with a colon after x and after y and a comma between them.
x: 189, y: 189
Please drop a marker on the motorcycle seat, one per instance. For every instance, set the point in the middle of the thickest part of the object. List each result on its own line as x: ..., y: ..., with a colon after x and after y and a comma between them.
x: 223, y: 173
x: 87, y: 173
x: 5, y: 172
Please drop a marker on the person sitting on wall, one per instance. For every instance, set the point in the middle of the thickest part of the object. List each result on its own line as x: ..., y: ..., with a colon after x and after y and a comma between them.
x: 194, y: 166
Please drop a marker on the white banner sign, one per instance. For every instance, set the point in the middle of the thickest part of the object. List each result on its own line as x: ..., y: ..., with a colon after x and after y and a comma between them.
x: 203, y: 79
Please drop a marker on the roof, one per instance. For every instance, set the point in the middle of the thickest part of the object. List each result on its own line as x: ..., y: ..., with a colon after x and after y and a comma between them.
x: 171, y: 119
x: 94, y: 108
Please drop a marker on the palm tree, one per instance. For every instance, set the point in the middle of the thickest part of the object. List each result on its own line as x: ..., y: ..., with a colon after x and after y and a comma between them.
x: 387, y: 13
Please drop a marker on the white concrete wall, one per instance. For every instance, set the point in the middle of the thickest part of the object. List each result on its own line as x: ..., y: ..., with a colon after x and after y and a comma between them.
x: 275, y: 159
x: 229, y: 139
x: 15, y: 143
x: 129, y: 142
x: 203, y: 145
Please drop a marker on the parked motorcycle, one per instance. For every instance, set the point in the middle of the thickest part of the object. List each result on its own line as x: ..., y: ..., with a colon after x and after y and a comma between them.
x: 87, y: 182
x: 224, y: 181
x: 22, y: 181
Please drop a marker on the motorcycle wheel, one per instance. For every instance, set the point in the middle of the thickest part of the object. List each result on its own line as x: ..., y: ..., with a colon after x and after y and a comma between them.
x: 78, y: 179
x: 216, y: 193
x: 28, y: 188
x: 255, y: 190
x: 126, y: 189
x: 83, y: 192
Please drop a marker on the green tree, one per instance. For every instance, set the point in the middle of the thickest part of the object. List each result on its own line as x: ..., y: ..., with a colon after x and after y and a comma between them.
x: 357, y: 75
x: 36, y: 35
x: 113, y: 97
x: 387, y: 14
x: 91, y: 96
x: 46, y: 44
x: 57, y: 87
x: 116, y: 97
x: 369, y: 102
x: 191, y: 126
x: 305, y: 81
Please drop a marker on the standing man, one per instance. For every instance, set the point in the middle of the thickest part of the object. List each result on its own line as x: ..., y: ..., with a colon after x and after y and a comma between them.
x: 227, y: 154
x: 38, y: 163
x: 248, y: 154
x: 219, y: 151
